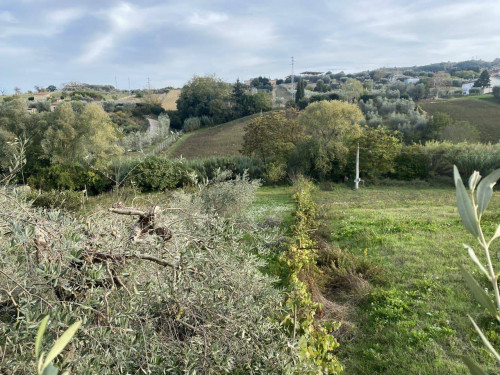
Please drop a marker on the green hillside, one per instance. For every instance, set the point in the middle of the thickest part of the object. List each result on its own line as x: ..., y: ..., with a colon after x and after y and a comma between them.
x: 482, y: 111
x: 222, y: 140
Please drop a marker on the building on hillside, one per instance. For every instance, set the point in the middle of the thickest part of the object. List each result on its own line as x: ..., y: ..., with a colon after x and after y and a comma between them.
x: 308, y: 73
x: 31, y: 110
x: 41, y: 96
x: 412, y: 80
x: 466, y: 87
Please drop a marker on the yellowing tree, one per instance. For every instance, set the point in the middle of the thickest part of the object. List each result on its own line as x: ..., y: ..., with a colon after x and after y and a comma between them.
x: 333, y: 125
x: 98, y: 134
x: 89, y: 136
x: 332, y: 120
x: 60, y: 140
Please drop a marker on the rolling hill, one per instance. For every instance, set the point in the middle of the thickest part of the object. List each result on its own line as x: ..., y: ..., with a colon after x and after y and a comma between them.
x: 221, y: 140
x: 169, y: 101
x: 482, y: 111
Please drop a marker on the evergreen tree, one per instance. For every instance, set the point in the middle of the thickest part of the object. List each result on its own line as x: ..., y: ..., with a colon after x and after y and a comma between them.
x: 238, y: 98
x: 483, y: 80
x: 300, y: 90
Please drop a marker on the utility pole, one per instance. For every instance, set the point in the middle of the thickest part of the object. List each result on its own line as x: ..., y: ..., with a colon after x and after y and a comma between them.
x: 293, y: 80
x: 116, y: 83
x: 128, y: 84
x: 356, y: 180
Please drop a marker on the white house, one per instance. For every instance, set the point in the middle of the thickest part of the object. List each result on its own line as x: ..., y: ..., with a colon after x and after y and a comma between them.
x: 412, y: 80
x: 466, y: 87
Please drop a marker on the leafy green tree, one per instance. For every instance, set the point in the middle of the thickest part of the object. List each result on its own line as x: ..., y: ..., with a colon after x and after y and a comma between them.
x: 332, y: 121
x: 272, y: 136
x: 51, y: 88
x: 417, y: 91
x: 205, y: 96
x: 483, y: 80
x: 259, y: 102
x: 60, y: 140
x: 379, y: 149
x: 333, y: 126
x: 261, y: 83
x: 437, y: 123
x: 76, y: 137
x: 98, y: 134
x: 352, y: 89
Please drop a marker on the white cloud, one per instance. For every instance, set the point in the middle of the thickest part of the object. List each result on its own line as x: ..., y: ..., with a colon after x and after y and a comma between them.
x: 64, y: 16
x: 8, y: 17
x: 121, y: 20
x: 207, y: 19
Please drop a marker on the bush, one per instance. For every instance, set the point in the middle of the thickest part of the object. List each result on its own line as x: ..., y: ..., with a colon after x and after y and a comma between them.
x: 191, y: 124
x: 228, y: 197
x: 207, y: 168
x: 69, y: 177
x: 496, y: 92
x: 198, y: 303
x: 66, y: 199
x: 159, y: 174
x: 411, y: 164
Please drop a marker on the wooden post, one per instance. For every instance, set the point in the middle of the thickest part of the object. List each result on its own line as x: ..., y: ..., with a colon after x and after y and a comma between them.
x: 356, y: 180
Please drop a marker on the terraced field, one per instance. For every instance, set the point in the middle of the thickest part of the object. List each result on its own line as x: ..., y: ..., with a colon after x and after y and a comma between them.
x: 222, y: 140
x: 482, y: 111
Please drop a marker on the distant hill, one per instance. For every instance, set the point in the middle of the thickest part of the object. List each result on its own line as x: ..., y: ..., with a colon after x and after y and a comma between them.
x: 222, y: 140
x: 169, y: 101
x: 482, y: 111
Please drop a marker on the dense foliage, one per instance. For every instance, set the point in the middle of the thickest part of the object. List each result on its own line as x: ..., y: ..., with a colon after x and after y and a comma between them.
x: 196, y: 303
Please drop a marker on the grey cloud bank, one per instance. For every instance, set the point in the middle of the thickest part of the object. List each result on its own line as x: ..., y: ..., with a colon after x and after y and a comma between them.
x: 53, y: 41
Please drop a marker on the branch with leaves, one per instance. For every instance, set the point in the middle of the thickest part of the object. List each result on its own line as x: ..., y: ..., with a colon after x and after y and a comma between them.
x: 471, y: 208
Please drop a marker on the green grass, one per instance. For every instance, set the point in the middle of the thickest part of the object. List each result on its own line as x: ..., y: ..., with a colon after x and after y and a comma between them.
x: 416, y: 322
x: 221, y: 140
x: 274, y: 202
x: 483, y: 111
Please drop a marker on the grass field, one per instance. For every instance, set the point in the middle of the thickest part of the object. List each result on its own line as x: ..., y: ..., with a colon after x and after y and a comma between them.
x: 414, y: 320
x: 222, y: 140
x: 169, y: 101
x: 482, y: 111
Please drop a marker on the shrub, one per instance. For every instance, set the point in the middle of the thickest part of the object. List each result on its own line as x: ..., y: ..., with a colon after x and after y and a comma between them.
x: 66, y: 199
x: 191, y: 124
x: 317, y: 344
x: 228, y: 197
x: 411, y: 164
x: 496, y: 92
x: 207, y: 168
x: 159, y: 174
x: 69, y: 177
x: 198, y: 303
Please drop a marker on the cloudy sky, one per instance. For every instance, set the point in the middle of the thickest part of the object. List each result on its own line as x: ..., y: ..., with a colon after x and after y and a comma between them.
x: 46, y: 42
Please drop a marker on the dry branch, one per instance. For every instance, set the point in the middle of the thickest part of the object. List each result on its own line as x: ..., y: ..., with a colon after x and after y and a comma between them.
x: 145, y: 224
